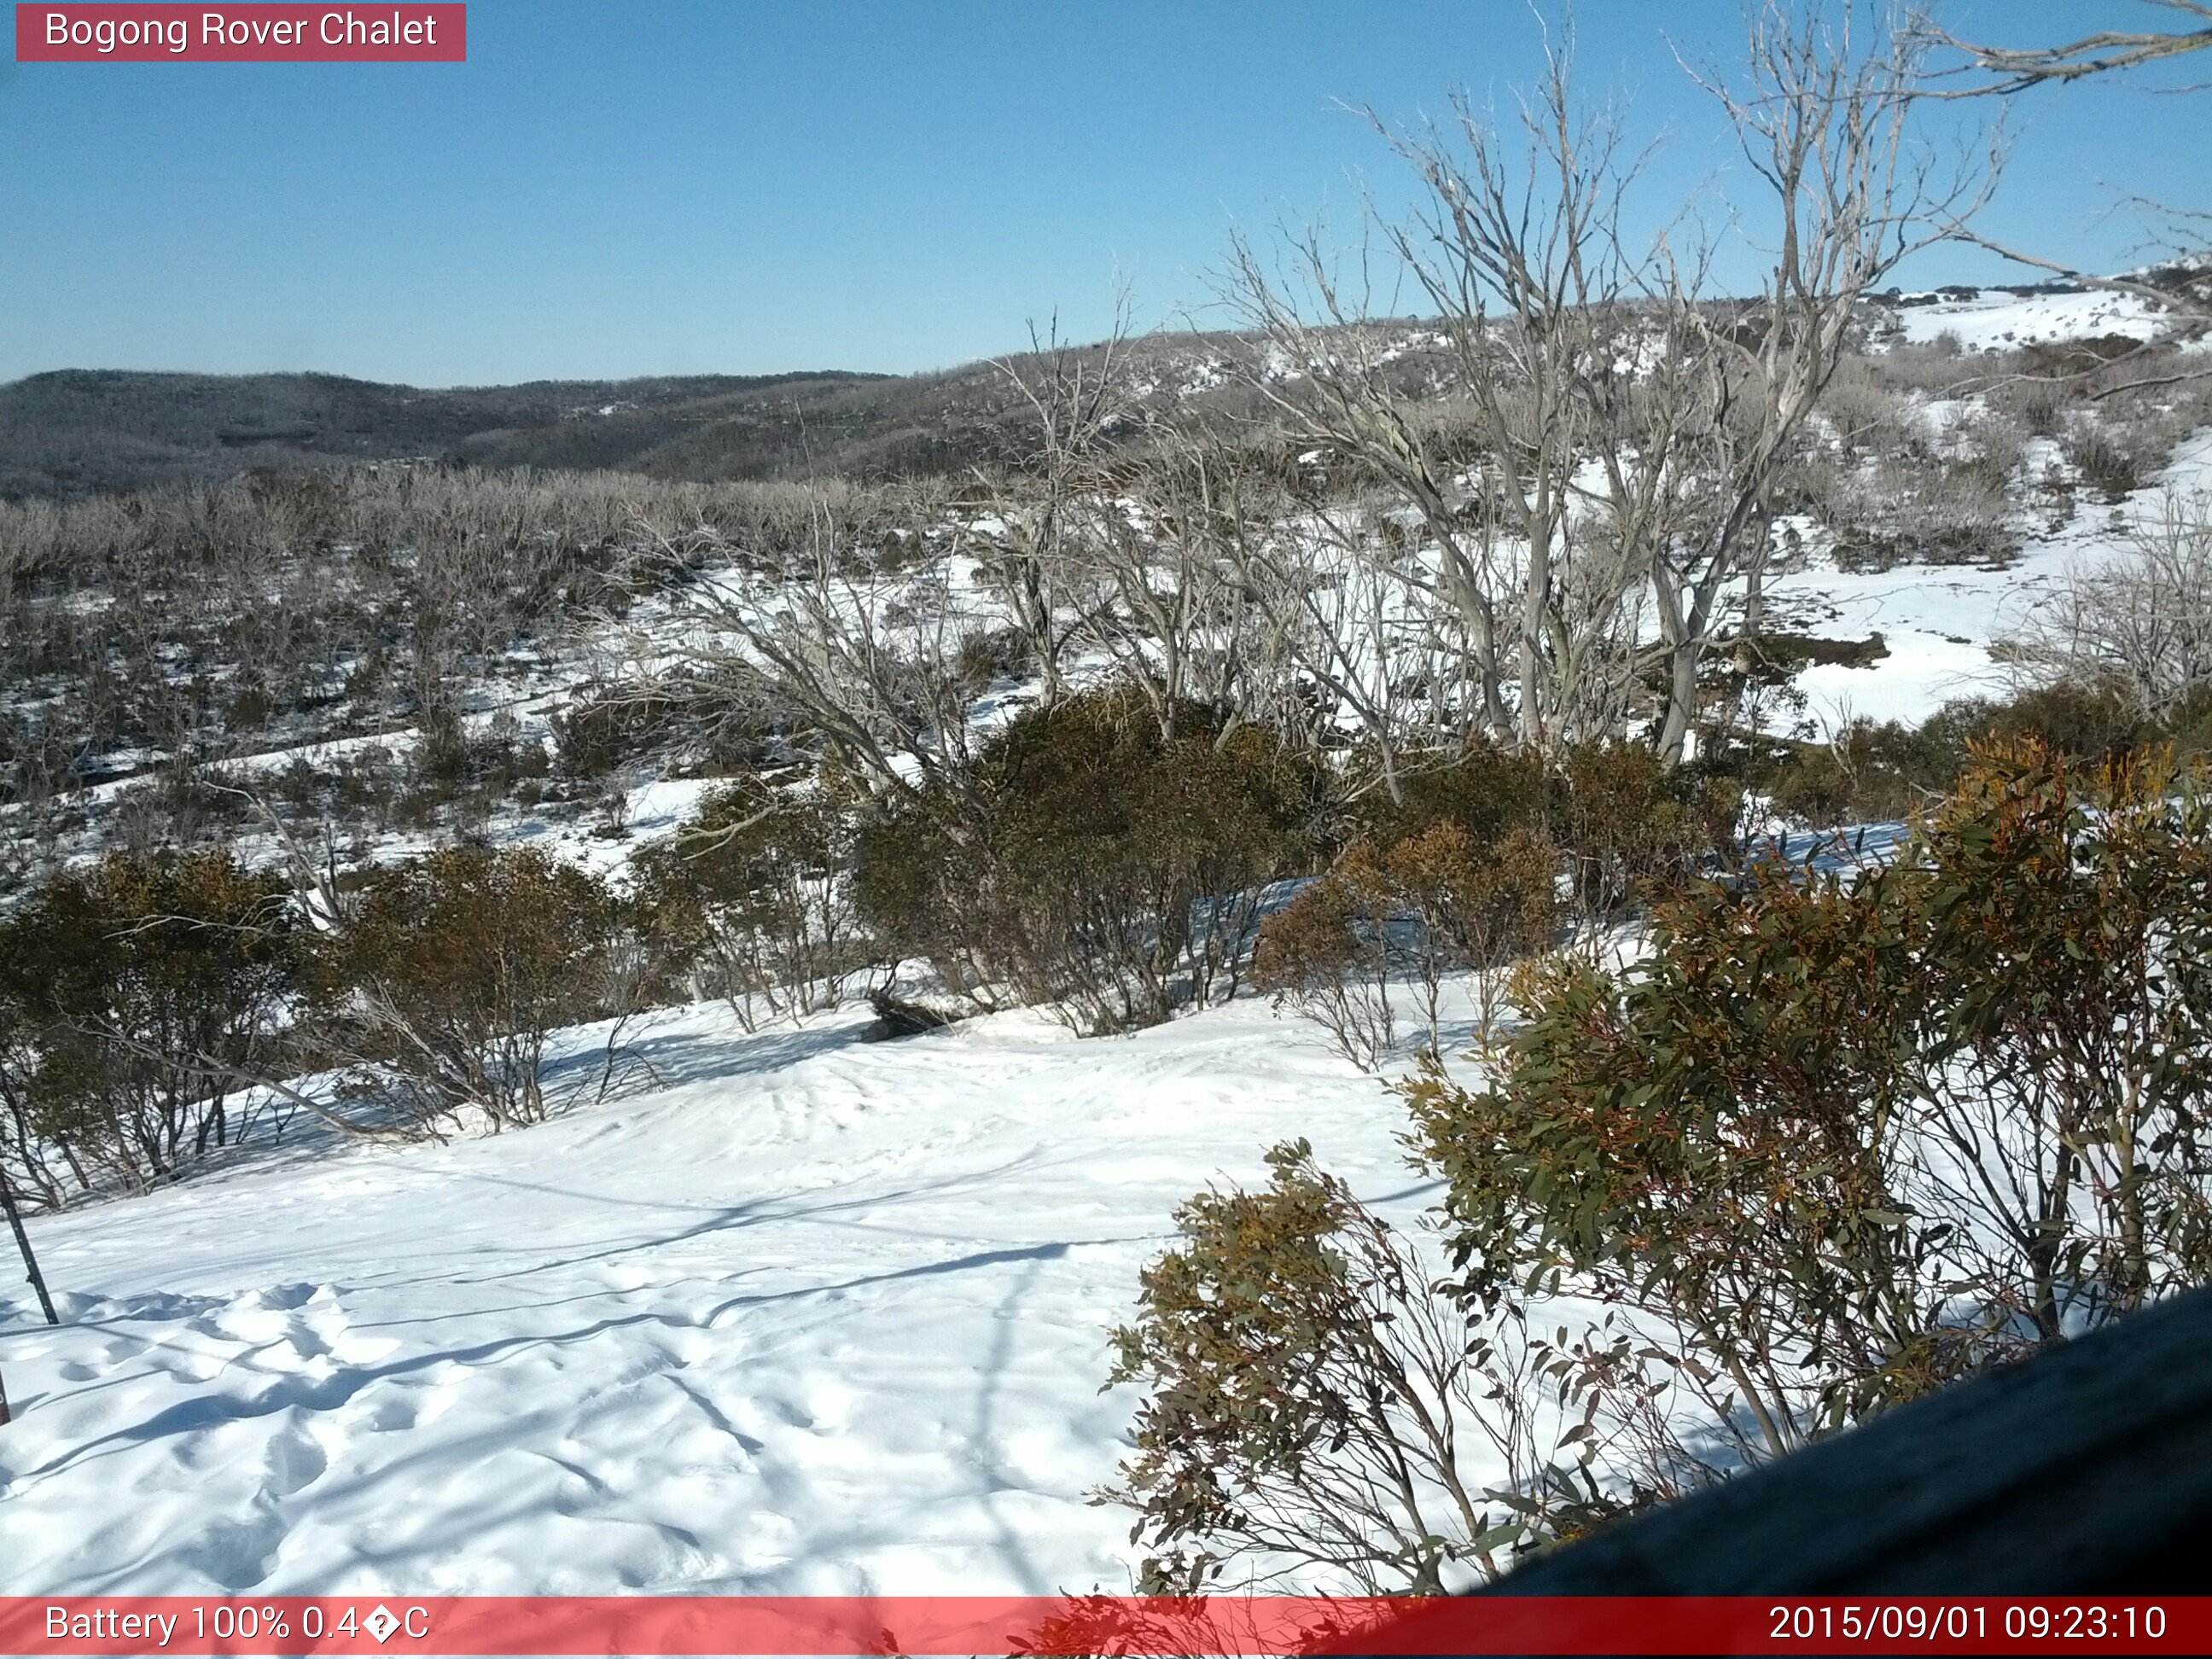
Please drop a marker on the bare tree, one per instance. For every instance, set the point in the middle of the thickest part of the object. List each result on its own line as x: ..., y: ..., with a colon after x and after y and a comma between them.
x: 2014, y: 69
x: 2140, y: 620
x: 1167, y: 557
x: 1604, y: 422
x: 852, y: 637
x: 1521, y: 252
x: 1339, y: 606
x: 1077, y: 397
x: 1823, y: 112
x: 23, y: 1245
x: 30, y: 1269
x: 1333, y: 371
x: 2006, y: 71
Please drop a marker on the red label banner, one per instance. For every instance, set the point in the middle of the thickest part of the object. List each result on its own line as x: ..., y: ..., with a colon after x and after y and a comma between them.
x: 1136, y: 1625
x: 169, y: 33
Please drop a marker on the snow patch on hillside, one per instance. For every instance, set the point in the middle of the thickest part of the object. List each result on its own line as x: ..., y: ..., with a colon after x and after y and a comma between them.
x: 1939, y: 622
x: 1996, y: 319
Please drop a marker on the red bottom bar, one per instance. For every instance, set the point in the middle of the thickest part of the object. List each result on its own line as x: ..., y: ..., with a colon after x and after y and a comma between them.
x: 1119, y: 1624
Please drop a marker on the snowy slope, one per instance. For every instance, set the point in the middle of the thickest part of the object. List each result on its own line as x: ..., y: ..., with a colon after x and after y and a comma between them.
x: 1996, y: 319
x: 809, y: 1316
x: 1939, y: 621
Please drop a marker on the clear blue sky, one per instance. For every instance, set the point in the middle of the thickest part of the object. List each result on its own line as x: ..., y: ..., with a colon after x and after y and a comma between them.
x: 614, y: 187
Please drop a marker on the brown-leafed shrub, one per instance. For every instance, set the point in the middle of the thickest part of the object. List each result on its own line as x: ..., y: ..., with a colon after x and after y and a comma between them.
x: 1631, y: 828
x: 1433, y: 905
x: 1478, y: 908
x: 1326, y: 954
x: 1313, y: 1405
x: 1834, y: 1143
x: 1839, y: 1140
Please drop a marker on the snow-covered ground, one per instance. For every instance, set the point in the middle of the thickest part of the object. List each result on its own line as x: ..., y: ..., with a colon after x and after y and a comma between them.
x: 797, y: 1313
x: 1996, y: 319
x: 1940, y: 621
x: 806, y: 1314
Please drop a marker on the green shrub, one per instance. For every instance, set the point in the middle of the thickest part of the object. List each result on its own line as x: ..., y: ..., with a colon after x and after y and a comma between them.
x: 1631, y: 828
x: 754, y: 895
x: 1831, y: 1144
x: 1312, y: 1406
x: 453, y: 969
x: 1873, y: 772
x: 1087, y: 862
x: 1843, y: 1140
x: 1485, y: 791
x: 145, y: 993
x: 1435, y: 903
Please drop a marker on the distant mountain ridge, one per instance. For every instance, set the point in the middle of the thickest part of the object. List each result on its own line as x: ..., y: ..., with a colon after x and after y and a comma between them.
x: 71, y: 432
x: 75, y: 432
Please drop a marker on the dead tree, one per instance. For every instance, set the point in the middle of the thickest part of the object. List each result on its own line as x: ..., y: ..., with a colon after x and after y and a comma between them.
x: 851, y: 640
x: 1600, y: 423
x: 2139, y: 621
x: 1823, y: 112
x: 2006, y: 71
x: 1323, y: 366
x: 30, y: 1268
x: 2016, y: 68
x: 1517, y: 249
x: 1047, y: 507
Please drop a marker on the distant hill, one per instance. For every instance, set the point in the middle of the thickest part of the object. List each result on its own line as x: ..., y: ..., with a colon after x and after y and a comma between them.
x: 77, y: 431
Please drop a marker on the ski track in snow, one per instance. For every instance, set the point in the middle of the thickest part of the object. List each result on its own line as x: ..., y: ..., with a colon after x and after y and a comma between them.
x: 810, y: 1316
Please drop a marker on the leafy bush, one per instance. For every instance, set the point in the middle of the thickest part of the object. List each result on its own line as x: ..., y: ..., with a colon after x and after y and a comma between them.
x: 1837, y: 1142
x: 756, y: 892
x: 1485, y: 792
x: 1626, y: 825
x: 1474, y: 880
x: 1434, y: 903
x: 1833, y: 1144
x: 1311, y: 1405
x: 1872, y: 771
x: 1088, y: 862
x: 1478, y: 908
x: 453, y: 970
x: 143, y: 993
x: 1631, y: 828
x: 1327, y: 954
